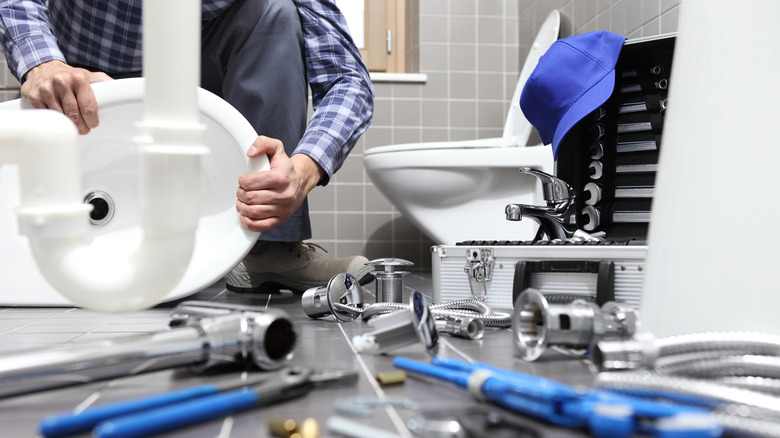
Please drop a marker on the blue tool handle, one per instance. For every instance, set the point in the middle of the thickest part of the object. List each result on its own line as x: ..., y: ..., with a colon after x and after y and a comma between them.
x: 533, y: 386
x: 72, y: 423
x: 179, y: 415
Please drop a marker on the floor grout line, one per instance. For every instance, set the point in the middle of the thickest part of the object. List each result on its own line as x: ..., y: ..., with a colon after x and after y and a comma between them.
x: 395, y: 418
x: 227, y: 428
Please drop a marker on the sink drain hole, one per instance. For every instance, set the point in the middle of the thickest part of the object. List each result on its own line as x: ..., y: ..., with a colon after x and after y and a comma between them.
x: 102, y: 207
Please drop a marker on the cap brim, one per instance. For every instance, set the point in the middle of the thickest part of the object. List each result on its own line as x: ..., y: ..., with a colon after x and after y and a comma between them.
x: 592, y: 99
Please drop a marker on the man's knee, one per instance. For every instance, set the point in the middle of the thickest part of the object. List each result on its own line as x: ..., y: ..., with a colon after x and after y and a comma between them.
x: 281, y: 8
x: 275, y: 15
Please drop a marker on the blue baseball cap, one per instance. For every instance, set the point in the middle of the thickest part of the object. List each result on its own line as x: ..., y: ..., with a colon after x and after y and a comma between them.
x: 574, y: 77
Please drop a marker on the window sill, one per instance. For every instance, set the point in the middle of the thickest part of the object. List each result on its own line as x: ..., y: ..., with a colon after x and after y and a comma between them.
x: 411, y: 78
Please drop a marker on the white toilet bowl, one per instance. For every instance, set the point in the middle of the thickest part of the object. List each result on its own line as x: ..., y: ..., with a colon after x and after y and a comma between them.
x: 110, y: 168
x: 457, y: 191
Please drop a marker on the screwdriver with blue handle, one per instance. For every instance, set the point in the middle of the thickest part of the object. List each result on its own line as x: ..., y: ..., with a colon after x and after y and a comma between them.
x: 176, y: 409
x: 602, y: 413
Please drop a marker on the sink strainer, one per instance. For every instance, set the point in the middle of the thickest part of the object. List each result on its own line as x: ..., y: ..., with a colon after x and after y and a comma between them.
x: 102, y: 207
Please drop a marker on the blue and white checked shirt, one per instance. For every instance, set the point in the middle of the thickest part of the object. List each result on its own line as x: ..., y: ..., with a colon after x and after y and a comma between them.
x: 107, y: 35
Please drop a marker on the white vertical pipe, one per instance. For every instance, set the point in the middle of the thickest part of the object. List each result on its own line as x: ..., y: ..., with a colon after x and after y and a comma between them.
x: 171, y: 45
x: 712, y: 257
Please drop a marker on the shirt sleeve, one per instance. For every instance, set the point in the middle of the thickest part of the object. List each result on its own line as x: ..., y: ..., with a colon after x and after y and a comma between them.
x: 342, y: 94
x: 26, y: 35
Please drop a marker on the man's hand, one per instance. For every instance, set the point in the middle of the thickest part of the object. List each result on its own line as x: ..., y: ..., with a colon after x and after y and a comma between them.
x: 267, y: 199
x: 58, y: 86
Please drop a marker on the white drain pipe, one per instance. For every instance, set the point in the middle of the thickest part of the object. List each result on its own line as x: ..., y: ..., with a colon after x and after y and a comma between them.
x: 52, y: 214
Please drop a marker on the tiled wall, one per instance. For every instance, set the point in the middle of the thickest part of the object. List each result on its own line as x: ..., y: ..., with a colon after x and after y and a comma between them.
x: 9, y: 86
x: 471, y: 52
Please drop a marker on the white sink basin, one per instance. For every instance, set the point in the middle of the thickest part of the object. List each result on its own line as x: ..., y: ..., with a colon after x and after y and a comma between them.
x: 110, y: 175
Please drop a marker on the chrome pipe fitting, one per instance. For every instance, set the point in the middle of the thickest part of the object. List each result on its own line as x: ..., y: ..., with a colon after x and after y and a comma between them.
x: 467, y: 328
x: 389, y: 281
x: 408, y: 326
x: 239, y: 333
x: 538, y: 324
x: 342, y: 294
x: 315, y: 302
x: 201, y: 335
x: 639, y: 352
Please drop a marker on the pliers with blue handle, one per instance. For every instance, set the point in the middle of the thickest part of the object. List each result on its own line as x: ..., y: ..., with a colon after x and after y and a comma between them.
x: 603, y: 413
x: 160, y: 413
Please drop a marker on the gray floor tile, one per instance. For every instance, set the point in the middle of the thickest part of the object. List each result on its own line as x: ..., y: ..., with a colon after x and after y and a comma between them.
x: 323, y: 343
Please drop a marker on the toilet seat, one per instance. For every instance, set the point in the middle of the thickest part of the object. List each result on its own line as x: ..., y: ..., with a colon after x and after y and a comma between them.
x: 517, y: 129
x: 498, y: 142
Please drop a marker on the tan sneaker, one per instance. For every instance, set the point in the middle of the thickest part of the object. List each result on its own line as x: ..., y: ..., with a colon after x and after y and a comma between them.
x: 292, y: 265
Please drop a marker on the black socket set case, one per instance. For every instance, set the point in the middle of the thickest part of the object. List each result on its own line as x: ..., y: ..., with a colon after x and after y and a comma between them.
x: 610, y: 159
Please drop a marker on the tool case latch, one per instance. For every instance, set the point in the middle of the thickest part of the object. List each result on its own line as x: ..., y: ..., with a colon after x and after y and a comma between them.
x: 479, y: 269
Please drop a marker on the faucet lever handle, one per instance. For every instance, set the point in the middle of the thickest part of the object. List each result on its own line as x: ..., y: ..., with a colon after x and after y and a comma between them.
x: 554, y: 189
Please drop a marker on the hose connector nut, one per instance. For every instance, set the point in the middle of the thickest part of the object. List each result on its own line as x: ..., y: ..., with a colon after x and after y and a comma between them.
x: 467, y: 328
x: 639, y: 352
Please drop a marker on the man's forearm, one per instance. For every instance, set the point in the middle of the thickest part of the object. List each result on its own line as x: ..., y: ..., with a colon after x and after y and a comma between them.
x: 342, y: 94
x: 26, y: 35
x: 310, y: 170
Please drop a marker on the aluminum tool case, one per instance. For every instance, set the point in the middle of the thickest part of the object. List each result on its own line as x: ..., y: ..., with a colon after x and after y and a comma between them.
x: 498, y: 271
x: 610, y: 160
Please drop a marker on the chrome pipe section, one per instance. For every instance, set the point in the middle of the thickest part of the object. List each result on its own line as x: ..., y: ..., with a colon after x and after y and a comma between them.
x: 537, y: 324
x: 203, y: 335
x: 239, y: 333
x: 98, y: 360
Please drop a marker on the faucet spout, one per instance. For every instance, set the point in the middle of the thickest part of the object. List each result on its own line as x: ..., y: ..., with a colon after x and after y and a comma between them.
x: 557, y: 218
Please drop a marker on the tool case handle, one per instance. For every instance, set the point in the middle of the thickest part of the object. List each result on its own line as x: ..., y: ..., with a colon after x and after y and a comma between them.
x: 604, y: 270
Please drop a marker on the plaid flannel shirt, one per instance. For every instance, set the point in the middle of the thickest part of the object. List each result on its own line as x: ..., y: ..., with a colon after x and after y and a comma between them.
x: 107, y: 35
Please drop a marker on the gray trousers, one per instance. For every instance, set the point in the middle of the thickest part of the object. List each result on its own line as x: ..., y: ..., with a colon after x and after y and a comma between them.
x: 253, y: 57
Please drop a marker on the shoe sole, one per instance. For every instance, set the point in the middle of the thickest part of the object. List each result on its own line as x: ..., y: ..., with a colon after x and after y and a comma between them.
x: 274, y: 283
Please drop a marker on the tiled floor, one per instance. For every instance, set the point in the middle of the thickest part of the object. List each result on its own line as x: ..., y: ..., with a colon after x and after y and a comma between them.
x: 321, y: 343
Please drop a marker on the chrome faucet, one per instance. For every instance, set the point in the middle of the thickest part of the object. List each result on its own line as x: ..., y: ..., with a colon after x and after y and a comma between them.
x: 557, y: 219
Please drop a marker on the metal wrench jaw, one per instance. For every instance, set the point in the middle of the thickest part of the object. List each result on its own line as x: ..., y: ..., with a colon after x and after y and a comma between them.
x: 333, y: 377
x: 558, y: 218
x: 294, y: 381
x: 285, y: 384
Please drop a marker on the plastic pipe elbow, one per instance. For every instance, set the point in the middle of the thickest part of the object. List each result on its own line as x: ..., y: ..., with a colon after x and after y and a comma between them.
x: 44, y: 145
x: 103, y: 280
